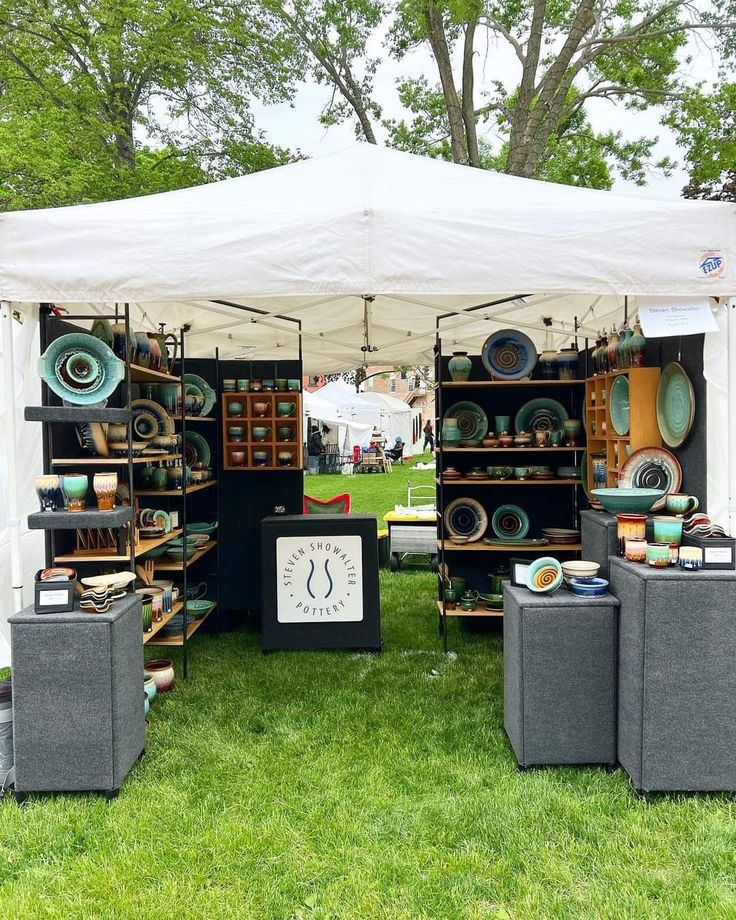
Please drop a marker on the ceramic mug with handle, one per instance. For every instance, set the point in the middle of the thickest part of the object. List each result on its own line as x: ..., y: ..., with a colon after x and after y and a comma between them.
x: 680, y: 504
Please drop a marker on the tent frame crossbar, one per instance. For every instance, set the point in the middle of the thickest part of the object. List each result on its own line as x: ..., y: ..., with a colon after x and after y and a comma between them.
x: 260, y: 312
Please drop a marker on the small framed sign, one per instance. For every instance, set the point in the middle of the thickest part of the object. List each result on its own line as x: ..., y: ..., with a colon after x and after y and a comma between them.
x: 519, y: 568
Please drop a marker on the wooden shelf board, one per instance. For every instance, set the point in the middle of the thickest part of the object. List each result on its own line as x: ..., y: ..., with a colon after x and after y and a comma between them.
x: 507, y: 450
x: 110, y: 461
x: 161, y: 623
x: 146, y: 375
x: 191, y: 630
x: 195, y: 418
x: 478, y: 612
x: 145, y: 546
x: 174, y: 566
x: 77, y: 559
x: 510, y: 482
x: 511, y: 383
x: 481, y: 547
x: 192, y: 487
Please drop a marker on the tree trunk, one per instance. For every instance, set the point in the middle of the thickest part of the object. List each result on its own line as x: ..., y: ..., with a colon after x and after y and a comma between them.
x: 469, y: 115
x: 438, y: 42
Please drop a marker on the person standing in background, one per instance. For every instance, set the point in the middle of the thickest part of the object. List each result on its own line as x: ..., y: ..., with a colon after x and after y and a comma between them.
x: 428, y: 437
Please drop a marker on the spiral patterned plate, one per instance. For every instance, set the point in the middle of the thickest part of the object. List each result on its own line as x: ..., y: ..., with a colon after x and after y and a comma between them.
x: 472, y: 422
x: 675, y: 405
x: 510, y: 522
x: 652, y: 468
x: 509, y: 355
x: 466, y: 517
x: 540, y: 414
x: 544, y: 575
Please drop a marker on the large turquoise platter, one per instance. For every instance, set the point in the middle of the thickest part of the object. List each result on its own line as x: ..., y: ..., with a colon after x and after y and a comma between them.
x: 80, y: 368
x: 210, y: 397
x: 472, y: 421
x: 540, y: 415
x: 196, y: 449
x: 675, y: 405
x: 619, y: 405
x: 509, y: 355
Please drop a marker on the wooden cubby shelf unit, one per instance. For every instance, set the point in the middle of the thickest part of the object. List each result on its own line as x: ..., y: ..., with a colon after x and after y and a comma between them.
x: 254, y: 416
x: 643, y: 428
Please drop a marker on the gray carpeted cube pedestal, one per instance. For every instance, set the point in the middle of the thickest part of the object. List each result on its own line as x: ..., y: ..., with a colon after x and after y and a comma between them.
x: 598, y: 535
x: 78, y: 694
x: 559, y: 657
x: 677, y: 677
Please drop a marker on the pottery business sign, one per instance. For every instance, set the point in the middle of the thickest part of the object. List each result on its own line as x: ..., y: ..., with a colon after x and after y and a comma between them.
x: 319, y: 579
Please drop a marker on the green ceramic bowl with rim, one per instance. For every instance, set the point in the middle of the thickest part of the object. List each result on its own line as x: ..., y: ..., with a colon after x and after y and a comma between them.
x: 621, y: 501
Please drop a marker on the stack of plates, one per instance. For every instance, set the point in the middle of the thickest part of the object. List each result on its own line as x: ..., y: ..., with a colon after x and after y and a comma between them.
x: 561, y: 534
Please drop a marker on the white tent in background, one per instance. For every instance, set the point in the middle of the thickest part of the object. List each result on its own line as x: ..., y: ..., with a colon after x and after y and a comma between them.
x: 385, y: 413
x: 349, y: 431
x: 359, y: 253
x: 401, y: 418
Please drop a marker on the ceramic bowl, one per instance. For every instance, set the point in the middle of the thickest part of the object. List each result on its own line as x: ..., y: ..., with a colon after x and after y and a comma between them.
x: 658, y: 555
x: 202, y: 527
x: 149, y: 685
x: 80, y: 368
x: 161, y: 670
x: 179, y: 553
x: 632, y: 500
x: 580, y: 569
x: 589, y: 587
x: 544, y: 575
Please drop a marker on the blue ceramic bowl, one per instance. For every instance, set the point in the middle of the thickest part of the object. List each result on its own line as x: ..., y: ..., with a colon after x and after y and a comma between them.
x: 621, y: 501
x: 589, y: 587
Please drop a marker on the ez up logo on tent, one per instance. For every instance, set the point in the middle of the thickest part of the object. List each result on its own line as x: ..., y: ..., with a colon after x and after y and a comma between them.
x: 712, y: 264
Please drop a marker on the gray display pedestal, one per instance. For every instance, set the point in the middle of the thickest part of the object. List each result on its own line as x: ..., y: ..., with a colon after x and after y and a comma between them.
x: 559, y: 661
x: 599, y: 539
x: 677, y: 677
x: 77, y: 698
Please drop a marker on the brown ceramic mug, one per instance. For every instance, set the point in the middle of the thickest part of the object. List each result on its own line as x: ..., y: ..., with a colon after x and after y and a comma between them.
x: 237, y: 457
x: 260, y: 409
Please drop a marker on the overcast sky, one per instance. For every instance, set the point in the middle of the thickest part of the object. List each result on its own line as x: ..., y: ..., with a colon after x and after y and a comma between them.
x: 297, y: 125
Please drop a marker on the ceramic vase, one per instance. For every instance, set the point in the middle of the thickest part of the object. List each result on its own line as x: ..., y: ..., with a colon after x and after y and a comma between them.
x: 161, y: 670
x: 630, y: 527
x: 612, y: 350
x: 105, y: 486
x: 459, y: 366
x: 147, y: 611
x: 502, y: 423
x: 603, y: 354
x: 571, y: 427
x: 154, y: 361
x: 623, y: 353
x: 142, y: 349
x: 668, y: 530
x: 637, y: 347
x: 450, y: 433
x: 658, y: 555
x: 175, y: 477
x: 149, y: 686
x: 567, y: 363
x: 450, y: 598
x: 122, y: 345
x: 547, y: 364
x: 159, y: 479
x: 47, y: 490
x: 74, y: 487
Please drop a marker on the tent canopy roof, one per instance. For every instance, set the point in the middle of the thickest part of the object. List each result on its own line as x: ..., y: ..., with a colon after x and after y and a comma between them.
x: 312, y: 239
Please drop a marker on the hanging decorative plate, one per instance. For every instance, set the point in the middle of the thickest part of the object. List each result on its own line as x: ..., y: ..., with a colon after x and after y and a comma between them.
x: 145, y: 424
x: 540, y: 415
x: 210, y: 397
x: 652, y: 468
x: 619, y: 405
x: 165, y: 421
x: 196, y: 449
x: 80, y: 368
x: 466, y: 517
x: 675, y: 405
x: 472, y: 421
x: 510, y: 522
x: 509, y: 355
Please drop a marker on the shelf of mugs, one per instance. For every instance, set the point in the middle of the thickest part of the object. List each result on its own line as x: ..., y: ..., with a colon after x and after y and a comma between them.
x: 520, y: 547
x: 140, y: 374
x: 156, y: 626
x: 478, y: 612
x: 173, y: 565
x: 76, y: 414
x: 192, y: 627
x: 192, y: 487
x: 141, y: 547
x: 111, y: 461
x: 261, y: 431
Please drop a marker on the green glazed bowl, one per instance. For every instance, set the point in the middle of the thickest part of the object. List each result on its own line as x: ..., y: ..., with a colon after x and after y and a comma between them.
x: 621, y: 501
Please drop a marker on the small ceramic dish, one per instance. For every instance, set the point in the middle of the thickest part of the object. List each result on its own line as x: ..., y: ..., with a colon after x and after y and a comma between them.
x: 589, y: 587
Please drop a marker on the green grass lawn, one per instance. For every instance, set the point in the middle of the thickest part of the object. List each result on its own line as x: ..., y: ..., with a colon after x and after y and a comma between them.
x: 339, y: 786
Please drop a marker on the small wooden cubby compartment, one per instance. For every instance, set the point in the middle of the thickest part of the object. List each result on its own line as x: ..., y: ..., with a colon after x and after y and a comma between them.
x: 242, y: 449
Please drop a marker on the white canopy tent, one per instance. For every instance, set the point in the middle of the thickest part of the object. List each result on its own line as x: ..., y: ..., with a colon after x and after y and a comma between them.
x: 350, y: 430
x: 366, y: 248
x: 385, y: 413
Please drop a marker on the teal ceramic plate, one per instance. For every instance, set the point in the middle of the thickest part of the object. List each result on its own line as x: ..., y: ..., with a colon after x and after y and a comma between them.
x: 471, y: 420
x: 196, y: 449
x: 540, y: 415
x: 210, y: 397
x: 105, y: 369
x: 619, y: 405
x: 510, y: 522
x: 675, y: 405
x: 165, y: 421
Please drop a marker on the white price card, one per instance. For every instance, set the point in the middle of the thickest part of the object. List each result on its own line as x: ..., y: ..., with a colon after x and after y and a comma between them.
x: 667, y: 316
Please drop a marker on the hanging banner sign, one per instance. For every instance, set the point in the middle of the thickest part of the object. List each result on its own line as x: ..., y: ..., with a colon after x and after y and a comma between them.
x: 661, y: 317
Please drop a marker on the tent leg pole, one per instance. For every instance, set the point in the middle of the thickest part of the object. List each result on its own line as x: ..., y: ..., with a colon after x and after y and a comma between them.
x: 731, y: 394
x: 16, y: 568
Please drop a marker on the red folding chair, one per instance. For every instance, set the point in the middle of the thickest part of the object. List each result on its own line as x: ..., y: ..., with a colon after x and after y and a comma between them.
x: 339, y: 504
